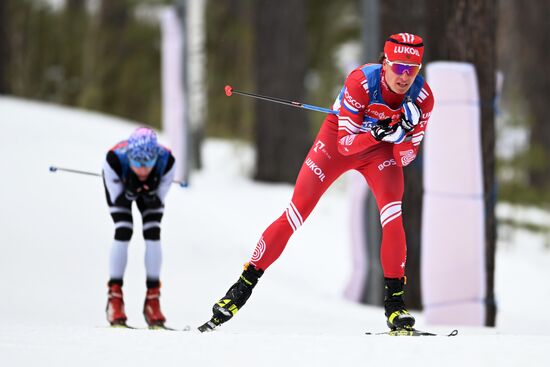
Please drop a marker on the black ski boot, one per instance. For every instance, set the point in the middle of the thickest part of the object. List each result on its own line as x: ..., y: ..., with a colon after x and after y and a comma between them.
x: 397, y: 315
x: 235, y: 298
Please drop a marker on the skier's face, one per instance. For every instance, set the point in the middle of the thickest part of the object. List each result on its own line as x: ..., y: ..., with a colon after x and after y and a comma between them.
x: 142, y: 172
x: 400, y: 75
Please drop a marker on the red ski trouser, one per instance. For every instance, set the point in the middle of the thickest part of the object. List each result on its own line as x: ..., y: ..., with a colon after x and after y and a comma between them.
x: 322, y: 166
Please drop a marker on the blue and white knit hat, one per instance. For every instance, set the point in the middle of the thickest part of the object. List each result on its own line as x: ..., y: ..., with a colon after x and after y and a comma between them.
x: 142, y: 145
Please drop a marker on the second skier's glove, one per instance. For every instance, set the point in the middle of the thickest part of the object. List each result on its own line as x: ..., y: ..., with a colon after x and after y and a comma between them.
x: 152, y: 182
x: 132, y: 187
x: 151, y: 199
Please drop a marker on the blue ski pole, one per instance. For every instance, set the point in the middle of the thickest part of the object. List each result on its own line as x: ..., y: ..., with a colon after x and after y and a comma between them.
x: 229, y: 91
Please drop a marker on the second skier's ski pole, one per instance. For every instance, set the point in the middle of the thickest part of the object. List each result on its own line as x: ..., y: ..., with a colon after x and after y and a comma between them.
x: 71, y: 170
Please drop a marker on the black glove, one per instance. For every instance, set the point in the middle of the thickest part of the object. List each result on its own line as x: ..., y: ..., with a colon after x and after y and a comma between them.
x: 390, y: 134
x: 133, y: 187
x: 149, y: 191
x: 151, y: 199
x: 152, y: 181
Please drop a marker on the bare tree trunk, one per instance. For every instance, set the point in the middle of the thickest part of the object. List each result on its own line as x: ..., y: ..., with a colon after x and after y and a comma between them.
x: 466, y: 30
x: 113, y: 19
x: 229, y: 31
x: 282, y: 133
x: 75, y: 23
x: 533, y: 51
x: 75, y: 5
x: 105, y: 52
x: 4, y: 47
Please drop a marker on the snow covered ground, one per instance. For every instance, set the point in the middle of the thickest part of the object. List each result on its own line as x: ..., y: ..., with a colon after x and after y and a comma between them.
x: 56, y: 233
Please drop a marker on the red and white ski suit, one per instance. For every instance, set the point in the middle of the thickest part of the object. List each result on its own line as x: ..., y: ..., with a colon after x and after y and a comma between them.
x: 344, y: 142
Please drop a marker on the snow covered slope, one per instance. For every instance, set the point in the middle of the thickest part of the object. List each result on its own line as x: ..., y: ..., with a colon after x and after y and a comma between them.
x: 56, y: 233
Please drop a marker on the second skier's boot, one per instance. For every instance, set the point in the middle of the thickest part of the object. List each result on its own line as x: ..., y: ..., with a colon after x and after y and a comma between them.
x: 235, y: 298
x: 396, y: 313
x: 151, y: 308
x: 115, y: 305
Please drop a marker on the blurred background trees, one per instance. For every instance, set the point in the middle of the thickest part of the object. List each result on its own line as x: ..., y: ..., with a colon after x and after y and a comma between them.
x: 282, y: 135
x: 105, y: 59
x: 523, y: 46
x: 286, y: 49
